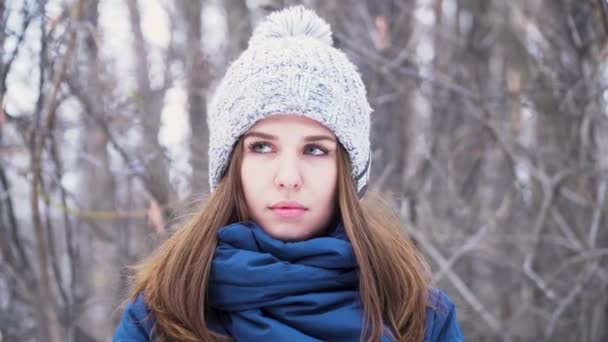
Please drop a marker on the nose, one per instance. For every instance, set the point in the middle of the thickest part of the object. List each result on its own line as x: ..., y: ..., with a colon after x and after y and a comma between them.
x: 287, y: 175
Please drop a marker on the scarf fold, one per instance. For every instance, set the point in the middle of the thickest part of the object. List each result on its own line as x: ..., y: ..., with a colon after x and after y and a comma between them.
x: 264, y: 289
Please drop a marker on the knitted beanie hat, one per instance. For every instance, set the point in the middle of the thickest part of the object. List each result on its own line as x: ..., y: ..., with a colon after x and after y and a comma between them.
x: 291, y: 67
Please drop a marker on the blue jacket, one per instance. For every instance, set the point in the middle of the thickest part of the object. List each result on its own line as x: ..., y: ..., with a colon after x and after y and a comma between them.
x: 441, y: 324
x: 263, y: 289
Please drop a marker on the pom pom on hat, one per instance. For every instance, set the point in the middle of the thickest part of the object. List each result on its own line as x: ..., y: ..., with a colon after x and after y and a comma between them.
x: 292, y: 22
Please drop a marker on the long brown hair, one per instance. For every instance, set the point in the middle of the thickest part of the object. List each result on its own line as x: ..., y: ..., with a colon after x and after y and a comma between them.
x: 392, y: 282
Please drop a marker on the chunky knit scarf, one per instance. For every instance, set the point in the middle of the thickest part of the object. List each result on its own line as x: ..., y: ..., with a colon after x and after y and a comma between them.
x: 263, y: 289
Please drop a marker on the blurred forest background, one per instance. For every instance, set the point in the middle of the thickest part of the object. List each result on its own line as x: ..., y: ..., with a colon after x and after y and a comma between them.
x: 490, y: 134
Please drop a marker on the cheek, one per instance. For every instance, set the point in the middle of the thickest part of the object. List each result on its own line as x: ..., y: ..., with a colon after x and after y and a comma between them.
x: 324, y: 179
x: 250, y: 176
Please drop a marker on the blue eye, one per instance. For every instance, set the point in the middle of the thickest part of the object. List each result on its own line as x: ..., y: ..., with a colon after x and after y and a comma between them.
x: 315, y: 150
x: 260, y: 147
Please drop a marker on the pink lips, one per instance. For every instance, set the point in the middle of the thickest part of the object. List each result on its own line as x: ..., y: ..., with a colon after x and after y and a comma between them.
x: 288, y: 209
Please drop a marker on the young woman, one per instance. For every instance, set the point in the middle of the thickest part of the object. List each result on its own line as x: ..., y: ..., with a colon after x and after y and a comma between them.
x: 286, y: 248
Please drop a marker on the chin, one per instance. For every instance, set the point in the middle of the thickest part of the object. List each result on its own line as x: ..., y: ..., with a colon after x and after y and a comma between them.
x: 286, y: 234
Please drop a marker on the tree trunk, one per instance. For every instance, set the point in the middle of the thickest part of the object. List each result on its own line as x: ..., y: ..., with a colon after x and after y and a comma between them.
x: 239, y: 27
x: 197, y: 82
x: 149, y: 103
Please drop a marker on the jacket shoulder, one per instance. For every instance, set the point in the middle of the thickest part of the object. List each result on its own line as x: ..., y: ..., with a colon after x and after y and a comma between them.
x: 441, y: 325
x: 136, y: 322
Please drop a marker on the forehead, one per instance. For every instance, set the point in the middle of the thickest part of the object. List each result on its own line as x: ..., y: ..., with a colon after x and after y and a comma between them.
x: 290, y: 125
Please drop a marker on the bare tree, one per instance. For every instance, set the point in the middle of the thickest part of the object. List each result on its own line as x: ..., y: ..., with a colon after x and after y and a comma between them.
x: 148, y: 106
x: 490, y: 135
x: 197, y: 82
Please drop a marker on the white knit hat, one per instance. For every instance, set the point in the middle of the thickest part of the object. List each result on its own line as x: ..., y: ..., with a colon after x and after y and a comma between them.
x: 291, y: 67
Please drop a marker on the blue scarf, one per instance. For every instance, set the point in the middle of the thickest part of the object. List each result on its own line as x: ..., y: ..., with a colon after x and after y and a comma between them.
x: 263, y: 289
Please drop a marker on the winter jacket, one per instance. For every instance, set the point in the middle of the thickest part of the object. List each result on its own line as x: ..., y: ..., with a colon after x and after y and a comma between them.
x: 262, y: 289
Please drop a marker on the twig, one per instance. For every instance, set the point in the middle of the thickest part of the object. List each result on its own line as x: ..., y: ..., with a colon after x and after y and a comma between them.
x: 597, y: 213
x: 468, y: 245
x: 458, y: 283
x: 381, y: 180
x: 584, y: 256
x: 90, y: 110
x: 435, y: 79
x: 53, y: 256
x: 566, y: 229
x: 24, y: 264
x: 37, y: 145
x: 566, y: 301
x: 7, y: 66
x: 574, y: 197
x: 549, y: 186
x: 71, y: 247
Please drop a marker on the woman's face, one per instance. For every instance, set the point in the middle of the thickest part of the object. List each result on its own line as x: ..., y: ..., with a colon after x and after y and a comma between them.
x: 289, y: 176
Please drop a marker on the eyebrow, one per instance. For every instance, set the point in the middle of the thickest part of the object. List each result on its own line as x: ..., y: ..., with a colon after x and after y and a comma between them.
x: 309, y: 138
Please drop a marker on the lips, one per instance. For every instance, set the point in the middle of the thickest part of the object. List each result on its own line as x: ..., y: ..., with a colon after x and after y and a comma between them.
x: 288, y: 209
x: 287, y: 205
